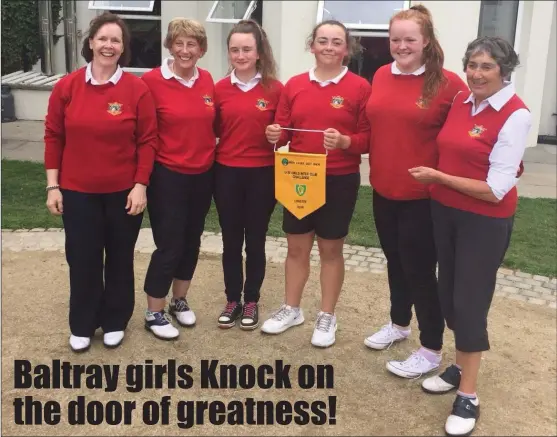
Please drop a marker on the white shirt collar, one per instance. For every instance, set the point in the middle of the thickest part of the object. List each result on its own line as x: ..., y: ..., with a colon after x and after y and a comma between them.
x: 254, y: 80
x: 499, y: 99
x: 89, y: 75
x: 334, y: 80
x: 395, y: 70
x: 167, y: 73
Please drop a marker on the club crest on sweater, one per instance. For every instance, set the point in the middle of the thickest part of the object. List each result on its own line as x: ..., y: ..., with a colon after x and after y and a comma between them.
x: 476, y: 131
x: 421, y: 103
x: 114, y: 108
x: 337, y: 102
x: 261, y: 104
x: 208, y: 100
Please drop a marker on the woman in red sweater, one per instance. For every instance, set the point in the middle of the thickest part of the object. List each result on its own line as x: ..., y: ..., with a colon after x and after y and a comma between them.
x: 100, y: 142
x: 331, y: 99
x: 246, y: 101
x: 474, y: 198
x: 182, y: 182
x: 407, y: 108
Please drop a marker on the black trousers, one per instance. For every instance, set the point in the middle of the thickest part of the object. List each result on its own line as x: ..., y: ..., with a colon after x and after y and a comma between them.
x: 471, y: 248
x: 245, y: 201
x: 178, y: 205
x: 405, y: 231
x: 100, y: 243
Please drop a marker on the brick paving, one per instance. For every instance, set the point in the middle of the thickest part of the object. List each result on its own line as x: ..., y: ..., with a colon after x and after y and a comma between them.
x: 516, y: 285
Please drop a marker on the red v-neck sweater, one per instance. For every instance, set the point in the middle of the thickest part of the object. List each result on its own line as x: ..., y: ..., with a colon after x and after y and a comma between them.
x: 307, y: 105
x: 185, y: 119
x: 101, y: 138
x: 242, y: 118
x: 404, y: 132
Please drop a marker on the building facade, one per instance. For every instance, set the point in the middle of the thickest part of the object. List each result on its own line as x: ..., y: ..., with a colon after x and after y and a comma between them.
x: 529, y: 25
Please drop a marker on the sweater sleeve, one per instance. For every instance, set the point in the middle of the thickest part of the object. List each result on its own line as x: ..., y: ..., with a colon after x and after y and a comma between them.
x: 359, y: 141
x: 55, y: 131
x: 147, y: 138
x: 282, y: 117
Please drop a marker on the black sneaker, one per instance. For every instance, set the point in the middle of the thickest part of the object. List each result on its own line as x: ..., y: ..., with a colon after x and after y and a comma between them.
x: 250, y: 316
x: 445, y: 382
x: 464, y: 416
x: 230, y: 314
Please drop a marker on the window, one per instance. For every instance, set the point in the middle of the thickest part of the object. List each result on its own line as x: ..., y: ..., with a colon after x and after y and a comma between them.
x: 143, y: 19
x: 369, y: 14
x: 499, y: 18
x: 122, y: 5
x: 231, y: 11
x: 374, y: 54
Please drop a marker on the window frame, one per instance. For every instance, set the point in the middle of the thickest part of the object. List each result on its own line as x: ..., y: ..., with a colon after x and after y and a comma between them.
x: 135, y: 70
x: 359, y: 26
x: 121, y: 8
x: 251, y: 7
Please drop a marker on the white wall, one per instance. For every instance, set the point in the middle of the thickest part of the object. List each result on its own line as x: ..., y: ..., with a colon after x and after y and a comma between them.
x: 288, y: 25
x: 456, y: 24
x: 549, y: 103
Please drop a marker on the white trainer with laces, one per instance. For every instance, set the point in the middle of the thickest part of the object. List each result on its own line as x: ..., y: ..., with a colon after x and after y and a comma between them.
x: 414, y: 366
x: 284, y: 318
x: 385, y: 337
x: 325, y: 329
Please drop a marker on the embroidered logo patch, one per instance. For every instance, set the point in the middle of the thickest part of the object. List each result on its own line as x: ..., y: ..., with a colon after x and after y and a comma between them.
x: 421, y: 103
x: 476, y: 131
x: 208, y: 100
x: 337, y: 102
x: 261, y: 104
x: 114, y: 108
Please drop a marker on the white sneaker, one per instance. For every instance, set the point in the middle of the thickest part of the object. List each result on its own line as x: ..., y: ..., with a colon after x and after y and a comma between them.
x: 160, y: 324
x: 463, y: 417
x: 79, y: 344
x: 180, y: 309
x: 413, y: 367
x: 325, y: 329
x: 284, y: 318
x: 113, y: 339
x: 386, y: 336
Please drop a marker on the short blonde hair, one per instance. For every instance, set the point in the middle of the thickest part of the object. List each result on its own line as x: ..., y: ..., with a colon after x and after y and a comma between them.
x: 183, y: 27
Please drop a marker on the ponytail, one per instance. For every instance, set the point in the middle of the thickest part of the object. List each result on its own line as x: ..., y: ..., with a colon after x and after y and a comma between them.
x: 433, y: 56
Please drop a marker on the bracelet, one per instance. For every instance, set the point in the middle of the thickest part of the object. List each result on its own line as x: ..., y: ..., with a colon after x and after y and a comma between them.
x: 52, y: 187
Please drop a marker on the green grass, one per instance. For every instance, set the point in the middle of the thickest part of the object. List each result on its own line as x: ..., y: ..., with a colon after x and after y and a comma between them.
x: 533, y: 247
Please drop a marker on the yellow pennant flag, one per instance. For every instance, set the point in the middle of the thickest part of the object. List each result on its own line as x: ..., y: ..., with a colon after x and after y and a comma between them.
x: 300, y: 181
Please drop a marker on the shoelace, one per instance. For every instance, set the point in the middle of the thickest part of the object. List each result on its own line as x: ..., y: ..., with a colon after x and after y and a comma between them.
x: 181, y: 305
x: 413, y: 361
x: 249, y: 309
x: 389, y: 330
x: 324, y: 322
x: 229, y: 308
x: 162, y: 316
x: 282, y: 313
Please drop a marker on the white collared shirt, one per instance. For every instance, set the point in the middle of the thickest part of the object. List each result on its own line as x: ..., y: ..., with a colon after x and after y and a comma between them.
x: 114, y: 79
x: 245, y: 87
x: 395, y: 70
x: 323, y: 83
x: 167, y: 73
x: 508, y: 151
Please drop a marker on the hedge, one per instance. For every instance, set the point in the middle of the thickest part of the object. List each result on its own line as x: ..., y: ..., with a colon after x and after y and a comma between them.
x: 21, y: 33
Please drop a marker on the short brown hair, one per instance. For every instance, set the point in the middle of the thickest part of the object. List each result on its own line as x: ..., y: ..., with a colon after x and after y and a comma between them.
x: 94, y: 27
x: 353, y: 46
x: 186, y: 28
